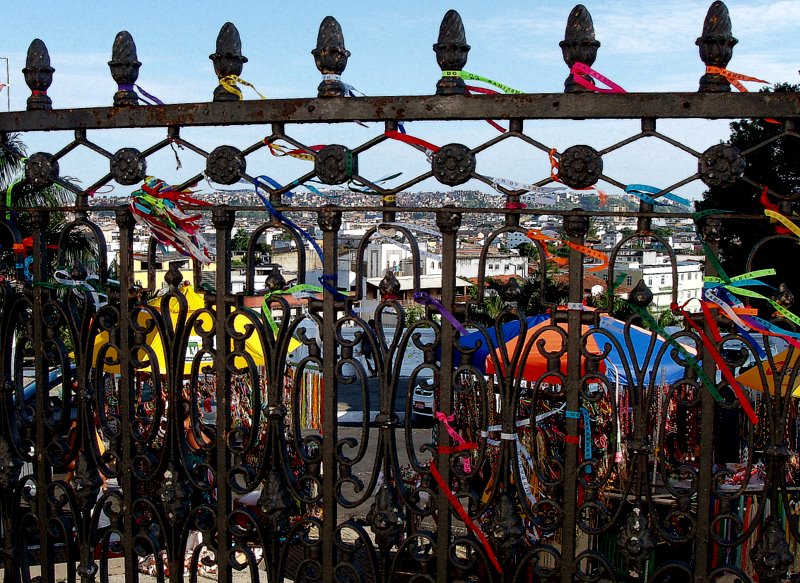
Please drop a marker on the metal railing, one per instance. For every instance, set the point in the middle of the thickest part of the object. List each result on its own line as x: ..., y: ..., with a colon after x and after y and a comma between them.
x: 567, y: 473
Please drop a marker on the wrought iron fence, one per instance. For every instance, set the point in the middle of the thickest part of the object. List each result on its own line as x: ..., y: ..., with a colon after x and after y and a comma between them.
x: 573, y: 473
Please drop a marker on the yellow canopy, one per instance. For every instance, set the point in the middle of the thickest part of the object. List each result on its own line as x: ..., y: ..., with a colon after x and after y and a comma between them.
x: 752, y: 378
x: 155, y: 341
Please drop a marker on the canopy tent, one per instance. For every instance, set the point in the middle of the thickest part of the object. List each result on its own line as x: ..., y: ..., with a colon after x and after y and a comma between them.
x: 156, y: 343
x: 477, y: 340
x: 669, y: 371
x: 752, y: 378
x: 546, y: 339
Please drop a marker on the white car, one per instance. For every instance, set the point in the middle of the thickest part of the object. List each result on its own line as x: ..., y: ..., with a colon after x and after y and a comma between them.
x: 422, y: 399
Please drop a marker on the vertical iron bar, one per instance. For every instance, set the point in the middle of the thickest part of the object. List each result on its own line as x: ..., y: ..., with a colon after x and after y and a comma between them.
x: 330, y: 220
x: 223, y: 219
x: 706, y: 462
x: 126, y: 223
x: 576, y: 228
x: 448, y: 223
x: 43, y: 471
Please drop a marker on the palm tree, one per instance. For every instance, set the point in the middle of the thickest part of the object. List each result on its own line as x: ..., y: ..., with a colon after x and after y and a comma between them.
x: 19, y: 194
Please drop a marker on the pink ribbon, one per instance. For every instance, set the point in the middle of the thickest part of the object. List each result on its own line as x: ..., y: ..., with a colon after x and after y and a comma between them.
x: 580, y: 69
x: 456, y: 437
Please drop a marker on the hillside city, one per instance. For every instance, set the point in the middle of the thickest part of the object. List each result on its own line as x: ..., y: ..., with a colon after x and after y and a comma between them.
x: 642, y: 259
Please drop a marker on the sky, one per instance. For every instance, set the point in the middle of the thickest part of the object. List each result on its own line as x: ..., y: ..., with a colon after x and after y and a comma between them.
x: 645, y: 46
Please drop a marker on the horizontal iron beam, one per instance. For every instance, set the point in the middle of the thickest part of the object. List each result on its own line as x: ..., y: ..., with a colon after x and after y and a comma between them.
x: 424, y: 107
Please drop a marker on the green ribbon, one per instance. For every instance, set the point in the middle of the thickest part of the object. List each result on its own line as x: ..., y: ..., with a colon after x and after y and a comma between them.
x: 708, y: 212
x: 295, y: 289
x: 701, y: 375
x: 618, y: 282
x: 715, y: 262
x: 751, y: 294
x: 749, y: 278
x: 473, y: 77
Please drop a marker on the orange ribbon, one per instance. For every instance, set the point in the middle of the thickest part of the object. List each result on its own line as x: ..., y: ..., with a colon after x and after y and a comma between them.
x: 735, y: 79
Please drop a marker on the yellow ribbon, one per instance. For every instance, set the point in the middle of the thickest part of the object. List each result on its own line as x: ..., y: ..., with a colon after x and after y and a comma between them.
x: 229, y: 84
x: 786, y: 221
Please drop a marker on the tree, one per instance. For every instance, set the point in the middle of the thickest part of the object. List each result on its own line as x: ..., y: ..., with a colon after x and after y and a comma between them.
x: 78, y: 251
x: 770, y: 163
x: 241, y: 240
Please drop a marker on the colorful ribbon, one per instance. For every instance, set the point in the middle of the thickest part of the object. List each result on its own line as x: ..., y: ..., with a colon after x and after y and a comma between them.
x: 420, y: 144
x: 294, y: 290
x: 143, y: 95
x: 587, y: 433
x: 326, y: 279
x: 465, y: 517
x: 299, y: 153
x: 425, y: 299
x: 644, y: 190
x: 158, y: 207
x: 687, y: 356
x: 784, y: 220
x: 727, y: 374
x: 580, y: 69
x: 457, y: 439
x: 473, y: 77
x: 229, y: 82
x: 735, y: 79
x: 537, y: 235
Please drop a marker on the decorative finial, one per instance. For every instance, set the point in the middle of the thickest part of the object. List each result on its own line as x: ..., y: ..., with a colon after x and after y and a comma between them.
x: 228, y: 62
x: 330, y: 57
x: 579, y: 45
x: 451, y: 54
x: 38, y: 76
x: 275, y: 280
x: 641, y: 295
x: 173, y: 277
x: 511, y: 291
x: 389, y: 286
x: 716, y: 47
x: 124, y: 69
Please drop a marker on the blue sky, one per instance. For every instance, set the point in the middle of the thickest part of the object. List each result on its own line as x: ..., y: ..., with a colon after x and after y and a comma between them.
x: 646, y: 46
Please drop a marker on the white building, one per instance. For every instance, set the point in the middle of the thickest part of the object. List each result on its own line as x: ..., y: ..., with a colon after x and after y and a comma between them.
x: 656, y: 271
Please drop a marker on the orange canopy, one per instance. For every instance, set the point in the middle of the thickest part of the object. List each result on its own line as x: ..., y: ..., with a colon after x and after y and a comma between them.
x: 535, y: 363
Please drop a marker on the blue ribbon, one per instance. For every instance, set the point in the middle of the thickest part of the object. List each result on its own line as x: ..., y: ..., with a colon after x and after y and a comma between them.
x: 325, y: 278
x: 587, y: 439
x: 640, y: 190
x: 144, y: 95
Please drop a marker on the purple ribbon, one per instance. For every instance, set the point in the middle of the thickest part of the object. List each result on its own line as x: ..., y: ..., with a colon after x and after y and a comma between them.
x: 145, y: 96
x: 425, y: 299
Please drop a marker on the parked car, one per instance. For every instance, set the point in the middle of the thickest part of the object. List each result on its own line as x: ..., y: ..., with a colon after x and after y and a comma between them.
x: 422, y: 400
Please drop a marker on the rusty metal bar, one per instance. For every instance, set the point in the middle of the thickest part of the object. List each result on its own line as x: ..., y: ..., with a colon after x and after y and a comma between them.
x: 407, y: 108
x: 126, y: 223
x: 576, y: 228
x: 223, y: 219
x: 330, y: 221
x: 448, y: 222
x: 43, y: 469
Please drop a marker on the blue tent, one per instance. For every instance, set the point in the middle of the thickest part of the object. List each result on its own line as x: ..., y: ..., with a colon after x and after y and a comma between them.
x: 668, y: 371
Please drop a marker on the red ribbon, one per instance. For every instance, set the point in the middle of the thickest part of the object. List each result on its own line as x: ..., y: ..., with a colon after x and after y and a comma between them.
x: 485, y: 91
x: 464, y: 516
x: 411, y: 140
x: 720, y: 362
x: 771, y: 206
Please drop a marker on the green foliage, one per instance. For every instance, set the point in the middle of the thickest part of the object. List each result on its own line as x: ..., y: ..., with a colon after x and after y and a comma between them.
x: 240, y: 240
x: 414, y: 313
